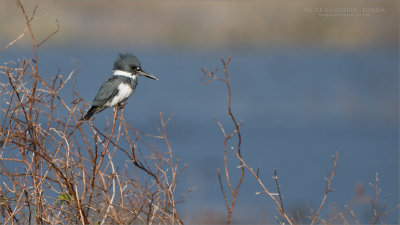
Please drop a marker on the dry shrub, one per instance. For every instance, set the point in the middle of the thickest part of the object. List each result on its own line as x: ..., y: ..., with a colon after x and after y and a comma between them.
x: 232, y: 152
x: 55, y: 168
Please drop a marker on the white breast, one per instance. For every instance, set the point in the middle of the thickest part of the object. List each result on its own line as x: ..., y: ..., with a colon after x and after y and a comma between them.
x: 124, y: 91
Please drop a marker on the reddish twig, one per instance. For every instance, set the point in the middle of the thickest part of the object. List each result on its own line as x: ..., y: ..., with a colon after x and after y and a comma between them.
x: 234, y: 189
x: 278, y: 188
x: 265, y: 190
x: 50, y: 35
x: 328, y: 187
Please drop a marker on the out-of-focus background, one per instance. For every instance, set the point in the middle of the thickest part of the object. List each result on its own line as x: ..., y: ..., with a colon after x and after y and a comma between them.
x: 309, y: 78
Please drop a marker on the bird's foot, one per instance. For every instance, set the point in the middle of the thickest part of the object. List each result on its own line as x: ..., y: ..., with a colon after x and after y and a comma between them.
x: 121, y: 105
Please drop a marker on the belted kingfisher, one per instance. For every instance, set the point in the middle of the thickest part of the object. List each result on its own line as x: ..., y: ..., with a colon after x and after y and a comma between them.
x: 118, y: 88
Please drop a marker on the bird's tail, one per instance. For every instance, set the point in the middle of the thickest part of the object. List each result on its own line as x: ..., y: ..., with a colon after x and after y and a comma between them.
x: 90, y: 113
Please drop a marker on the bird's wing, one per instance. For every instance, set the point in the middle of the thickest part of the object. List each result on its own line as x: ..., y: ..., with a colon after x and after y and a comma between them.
x: 107, y: 90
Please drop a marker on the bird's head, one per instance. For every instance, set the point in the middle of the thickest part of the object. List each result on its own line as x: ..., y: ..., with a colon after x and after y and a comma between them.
x: 129, y: 63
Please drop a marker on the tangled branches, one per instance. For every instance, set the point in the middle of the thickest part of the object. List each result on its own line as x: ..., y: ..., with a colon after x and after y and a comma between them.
x: 56, y: 169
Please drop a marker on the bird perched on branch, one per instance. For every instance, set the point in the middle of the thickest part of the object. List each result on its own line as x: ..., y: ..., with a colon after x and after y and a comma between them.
x: 118, y: 88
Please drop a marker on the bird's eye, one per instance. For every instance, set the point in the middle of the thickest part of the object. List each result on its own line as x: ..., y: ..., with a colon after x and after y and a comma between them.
x: 134, y: 67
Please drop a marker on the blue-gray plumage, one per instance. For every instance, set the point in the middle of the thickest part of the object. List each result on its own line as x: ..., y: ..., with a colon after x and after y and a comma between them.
x: 118, y: 88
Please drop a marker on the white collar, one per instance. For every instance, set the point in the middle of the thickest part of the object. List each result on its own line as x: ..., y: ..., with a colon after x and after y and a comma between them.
x: 123, y: 73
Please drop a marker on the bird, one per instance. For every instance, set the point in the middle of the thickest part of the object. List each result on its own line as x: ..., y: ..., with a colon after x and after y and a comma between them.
x: 120, y: 86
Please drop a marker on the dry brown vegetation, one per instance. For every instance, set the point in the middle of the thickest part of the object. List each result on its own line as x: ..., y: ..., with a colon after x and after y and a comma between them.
x: 232, y: 152
x: 56, y: 169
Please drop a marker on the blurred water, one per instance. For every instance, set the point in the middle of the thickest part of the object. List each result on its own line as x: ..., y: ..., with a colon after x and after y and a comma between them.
x: 298, y: 107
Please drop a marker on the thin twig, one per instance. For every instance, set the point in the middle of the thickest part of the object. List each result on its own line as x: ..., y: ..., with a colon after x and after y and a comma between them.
x: 233, y: 189
x: 50, y: 35
x: 328, y: 187
x: 265, y: 190
x: 15, y: 40
x: 278, y: 189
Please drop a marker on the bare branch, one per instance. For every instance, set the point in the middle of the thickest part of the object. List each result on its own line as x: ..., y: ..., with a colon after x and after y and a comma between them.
x: 50, y: 35
x: 328, y: 187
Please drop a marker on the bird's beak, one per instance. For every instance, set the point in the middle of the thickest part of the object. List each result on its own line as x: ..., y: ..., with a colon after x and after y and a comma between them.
x: 142, y: 73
